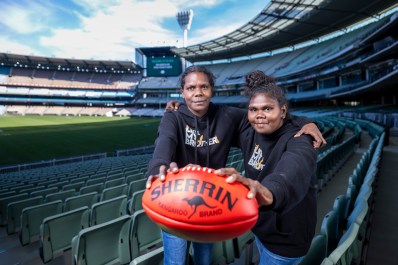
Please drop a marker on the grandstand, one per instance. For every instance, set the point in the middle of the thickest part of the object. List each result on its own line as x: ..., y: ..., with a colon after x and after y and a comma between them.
x: 341, y: 71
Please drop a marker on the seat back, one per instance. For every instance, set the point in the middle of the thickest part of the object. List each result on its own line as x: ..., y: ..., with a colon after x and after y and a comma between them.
x: 136, y: 185
x: 14, y: 211
x: 92, y: 188
x: 347, y: 249
x: 154, y: 257
x: 330, y: 228
x: 135, y: 203
x: 144, y: 233
x: 4, y: 203
x: 317, y: 252
x: 33, y: 216
x: 61, y: 195
x: 57, y: 231
x: 105, y: 211
x: 340, y: 206
x: 106, y: 243
x: 113, y: 192
x: 78, y: 201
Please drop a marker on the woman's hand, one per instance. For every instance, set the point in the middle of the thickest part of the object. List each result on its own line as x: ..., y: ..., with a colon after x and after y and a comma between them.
x: 172, y: 105
x: 256, y: 189
x: 162, y: 174
x: 312, y: 130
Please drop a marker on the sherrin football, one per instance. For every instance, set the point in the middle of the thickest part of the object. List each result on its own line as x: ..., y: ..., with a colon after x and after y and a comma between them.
x: 198, y: 205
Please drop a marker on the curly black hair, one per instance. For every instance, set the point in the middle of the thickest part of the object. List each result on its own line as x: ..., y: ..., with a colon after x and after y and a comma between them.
x: 197, y: 69
x: 258, y: 82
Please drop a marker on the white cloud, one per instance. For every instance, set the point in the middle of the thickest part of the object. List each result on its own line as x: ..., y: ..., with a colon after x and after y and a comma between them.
x: 105, y: 33
x: 108, y: 29
x: 25, y: 18
x: 10, y: 46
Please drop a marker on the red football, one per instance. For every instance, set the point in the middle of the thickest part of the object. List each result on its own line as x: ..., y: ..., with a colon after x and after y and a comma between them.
x: 200, y: 206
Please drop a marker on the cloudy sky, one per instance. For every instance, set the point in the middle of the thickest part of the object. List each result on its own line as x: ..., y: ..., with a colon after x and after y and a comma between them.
x: 111, y: 29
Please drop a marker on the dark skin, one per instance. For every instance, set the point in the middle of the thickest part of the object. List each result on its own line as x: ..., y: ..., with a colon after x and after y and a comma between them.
x: 310, y: 129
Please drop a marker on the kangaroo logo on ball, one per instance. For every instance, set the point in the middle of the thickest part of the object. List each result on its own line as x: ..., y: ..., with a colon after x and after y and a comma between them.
x: 195, y: 202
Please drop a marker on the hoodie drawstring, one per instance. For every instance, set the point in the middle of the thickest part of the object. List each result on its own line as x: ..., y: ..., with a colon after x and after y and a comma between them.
x: 208, y: 142
x: 196, y: 144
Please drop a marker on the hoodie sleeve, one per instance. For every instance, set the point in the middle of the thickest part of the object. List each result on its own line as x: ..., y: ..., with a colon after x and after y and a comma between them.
x: 165, y: 143
x: 300, y: 121
x: 239, y: 119
x: 290, y: 180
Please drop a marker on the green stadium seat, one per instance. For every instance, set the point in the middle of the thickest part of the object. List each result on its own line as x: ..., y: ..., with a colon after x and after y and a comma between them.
x: 14, y: 211
x: 115, y: 176
x: 93, y: 181
x: 347, y: 249
x: 135, y: 203
x: 330, y: 228
x: 32, y: 189
x: 106, y: 243
x: 114, y: 182
x: 144, y: 234
x: 59, y: 184
x: 113, y: 192
x: 4, y: 204
x: 78, y: 201
x: 317, y: 252
x: 75, y: 186
x: 244, y: 245
x: 91, y: 188
x: 154, y: 257
x: 57, y: 231
x: 136, y: 185
x: 43, y: 192
x: 105, y: 211
x: 32, y: 217
x: 7, y: 193
x: 340, y: 206
x: 223, y: 252
x: 134, y: 177
x: 61, y: 195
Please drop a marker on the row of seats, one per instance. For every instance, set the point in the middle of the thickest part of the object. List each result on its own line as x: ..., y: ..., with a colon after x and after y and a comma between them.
x: 11, y: 206
x: 344, y: 229
x: 57, y: 231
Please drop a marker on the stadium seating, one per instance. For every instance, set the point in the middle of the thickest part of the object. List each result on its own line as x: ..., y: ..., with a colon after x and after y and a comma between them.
x: 317, y: 252
x: 135, y: 203
x: 154, y: 257
x: 14, y: 211
x: 113, y: 192
x: 57, y: 231
x: 78, y: 201
x: 33, y: 216
x: 106, y: 243
x: 347, y: 249
x: 329, y: 228
x: 4, y: 203
x: 135, y: 186
x: 107, y: 210
x: 144, y: 234
x: 61, y: 195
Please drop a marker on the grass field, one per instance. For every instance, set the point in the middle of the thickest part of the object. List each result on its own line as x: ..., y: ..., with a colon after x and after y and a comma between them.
x: 26, y: 139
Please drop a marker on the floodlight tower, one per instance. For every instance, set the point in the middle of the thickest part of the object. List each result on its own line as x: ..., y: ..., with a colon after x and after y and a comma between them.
x: 184, y: 19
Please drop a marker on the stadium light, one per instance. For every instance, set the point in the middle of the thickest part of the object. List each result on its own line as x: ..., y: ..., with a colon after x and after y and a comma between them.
x: 184, y: 19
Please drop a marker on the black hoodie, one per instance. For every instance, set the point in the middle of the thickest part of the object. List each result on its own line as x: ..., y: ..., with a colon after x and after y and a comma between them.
x: 187, y: 139
x: 287, y: 167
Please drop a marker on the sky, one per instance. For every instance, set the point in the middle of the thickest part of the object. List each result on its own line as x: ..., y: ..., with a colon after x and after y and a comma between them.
x: 112, y: 29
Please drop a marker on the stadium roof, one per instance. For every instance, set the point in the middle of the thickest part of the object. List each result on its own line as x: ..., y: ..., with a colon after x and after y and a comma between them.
x: 34, y: 61
x: 156, y: 51
x: 284, y: 23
